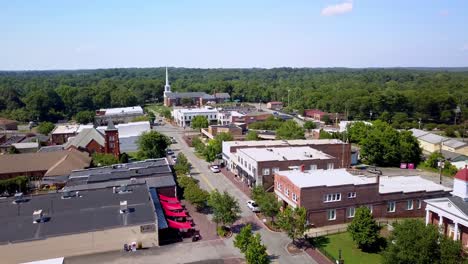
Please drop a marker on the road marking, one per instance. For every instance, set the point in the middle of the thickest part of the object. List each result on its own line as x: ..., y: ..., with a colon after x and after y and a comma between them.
x: 206, y: 180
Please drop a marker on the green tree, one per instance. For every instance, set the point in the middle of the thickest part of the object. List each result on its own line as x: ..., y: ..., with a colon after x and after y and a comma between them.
x: 413, y: 242
x: 195, y: 195
x: 358, y: 131
x: 290, y: 130
x: 103, y: 159
x: 364, y: 229
x: 256, y: 252
x: 84, y: 117
x: 450, y: 131
x: 226, y: 208
x: 293, y: 221
x: 327, y: 120
x: 215, y: 146
x: 123, y: 158
x: 410, y: 151
x: 199, y: 122
x: 252, y: 135
x: 152, y: 145
x: 185, y: 181
x: 13, y: 150
x: 267, y: 202
x: 309, y: 125
x: 450, y: 251
x: 45, y: 128
x: 243, y: 239
x: 182, y: 167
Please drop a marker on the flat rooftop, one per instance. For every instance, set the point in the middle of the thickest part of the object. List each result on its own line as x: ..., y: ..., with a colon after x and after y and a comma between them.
x: 196, y: 110
x: 284, y: 153
x: 294, y: 142
x: 66, y: 129
x: 132, y: 129
x: 338, y: 177
x: 123, y: 110
x: 93, y: 210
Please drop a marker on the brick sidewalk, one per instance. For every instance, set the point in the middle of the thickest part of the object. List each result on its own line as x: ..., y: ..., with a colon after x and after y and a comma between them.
x: 202, y: 223
x: 240, y: 185
x: 317, y: 256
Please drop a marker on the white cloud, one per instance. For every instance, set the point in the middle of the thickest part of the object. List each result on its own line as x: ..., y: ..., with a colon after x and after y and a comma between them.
x: 338, y: 9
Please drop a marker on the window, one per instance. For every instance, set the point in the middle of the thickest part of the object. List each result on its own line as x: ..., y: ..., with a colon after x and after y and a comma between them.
x: 111, y: 145
x: 331, y: 214
x: 250, y: 167
x: 286, y: 191
x: 409, y: 205
x: 351, y: 195
x: 419, y: 202
x: 313, y: 167
x: 330, y: 166
x: 350, y: 212
x: 238, y: 158
x: 278, y: 186
x: 334, y: 197
x: 274, y: 170
x: 370, y: 207
x: 266, y: 171
x: 294, y: 197
x: 391, y: 207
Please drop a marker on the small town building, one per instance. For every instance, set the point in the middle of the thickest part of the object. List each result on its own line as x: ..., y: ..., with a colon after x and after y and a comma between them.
x: 7, y: 124
x: 450, y: 213
x: 256, y: 166
x: 251, y: 117
x: 213, y: 130
x: 183, y: 116
x: 431, y: 142
x: 69, y: 223
x: 275, y: 105
x: 62, y: 133
x: 40, y: 164
x: 118, y: 115
x: 332, y: 196
x: 26, y: 147
x: 333, y: 147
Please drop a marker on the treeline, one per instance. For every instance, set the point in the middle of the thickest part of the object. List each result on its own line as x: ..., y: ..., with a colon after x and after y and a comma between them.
x: 393, y: 95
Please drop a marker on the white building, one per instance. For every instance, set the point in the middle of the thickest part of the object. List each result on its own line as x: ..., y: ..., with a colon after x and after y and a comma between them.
x: 183, y: 116
x: 118, y: 115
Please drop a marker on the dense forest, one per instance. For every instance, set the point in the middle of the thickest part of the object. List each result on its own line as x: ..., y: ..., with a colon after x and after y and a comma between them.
x: 393, y: 95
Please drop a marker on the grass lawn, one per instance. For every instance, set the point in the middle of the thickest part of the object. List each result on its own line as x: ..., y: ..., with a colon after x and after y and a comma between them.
x: 349, y: 252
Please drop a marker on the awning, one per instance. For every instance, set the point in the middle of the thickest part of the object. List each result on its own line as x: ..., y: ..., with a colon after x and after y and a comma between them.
x: 168, y: 199
x: 175, y: 214
x: 171, y: 206
x: 179, y: 225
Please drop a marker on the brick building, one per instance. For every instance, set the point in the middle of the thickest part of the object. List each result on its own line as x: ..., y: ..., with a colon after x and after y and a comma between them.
x: 450, y: 214
x: 251, y: 117
x: 213, y: 130
x: 275, y: 105
x: 332, y: 196
x: 333, y: 147
x: 256, y: 166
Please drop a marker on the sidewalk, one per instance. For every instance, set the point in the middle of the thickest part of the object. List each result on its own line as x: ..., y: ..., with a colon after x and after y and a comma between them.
x: 240, y: 185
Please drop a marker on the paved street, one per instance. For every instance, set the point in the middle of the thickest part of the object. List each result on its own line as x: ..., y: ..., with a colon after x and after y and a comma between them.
x: 275, y: 242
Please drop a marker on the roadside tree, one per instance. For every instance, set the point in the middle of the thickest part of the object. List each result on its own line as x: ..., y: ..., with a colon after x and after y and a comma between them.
x: 152, y: 145
x: 364, y: 229
x: 293, y: 222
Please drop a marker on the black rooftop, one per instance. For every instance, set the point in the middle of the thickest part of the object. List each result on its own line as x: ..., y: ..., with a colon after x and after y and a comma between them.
x: 459, y: 203
x: 93, y: 210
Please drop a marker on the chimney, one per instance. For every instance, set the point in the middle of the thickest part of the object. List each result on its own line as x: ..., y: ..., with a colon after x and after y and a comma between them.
x: 302, y: 168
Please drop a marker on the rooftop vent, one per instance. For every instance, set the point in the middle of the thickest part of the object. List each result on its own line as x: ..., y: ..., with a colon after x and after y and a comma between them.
x: 269, y: 149
x: 124, y: 189
x: 37, y: 216
x: 123, y: 207
x: 133, y: 180
x: 308, y: 154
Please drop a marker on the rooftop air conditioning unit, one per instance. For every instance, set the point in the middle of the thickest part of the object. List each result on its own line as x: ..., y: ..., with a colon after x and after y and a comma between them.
x: 37, y: 216
x: 124, y: 189
x: 133, y: 180
x: 123, y: 207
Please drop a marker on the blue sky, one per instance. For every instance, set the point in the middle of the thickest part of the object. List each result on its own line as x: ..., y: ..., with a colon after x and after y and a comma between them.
x: 61, y: 34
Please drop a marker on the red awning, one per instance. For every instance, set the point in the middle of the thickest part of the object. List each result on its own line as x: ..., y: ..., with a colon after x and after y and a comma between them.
x: 168, y: 199
x: 171, y: 206
x: 175, y: 214
x: 179, y: 225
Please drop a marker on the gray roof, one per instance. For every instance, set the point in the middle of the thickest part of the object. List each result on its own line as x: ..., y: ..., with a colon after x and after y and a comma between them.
x: 418, y: 132
x: 432, y: 138
x: 162, y: 223
x: 84, y: 137
x: 459, y: 203
x: 453, y: 156
x: 155, y: 172
x: 93, y: 210
x: 51, y: 148
x: 453, y: 143
x: 128, y: 144
x: 222, y: 95
x: 175, y: 95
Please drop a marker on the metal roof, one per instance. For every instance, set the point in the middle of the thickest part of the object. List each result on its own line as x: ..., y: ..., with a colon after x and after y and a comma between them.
x: 93, y: 210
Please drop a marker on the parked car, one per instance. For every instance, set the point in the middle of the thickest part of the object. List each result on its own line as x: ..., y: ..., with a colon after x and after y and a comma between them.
x: 215, y: 168
x: 169, y: 152
x: 253, y: 206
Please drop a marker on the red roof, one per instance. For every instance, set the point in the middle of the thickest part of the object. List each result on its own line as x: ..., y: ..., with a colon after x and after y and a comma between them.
x: 171, y: 206
x: 462, y: 174
x: 175, y: 214
x: 168, y: 199
x: 179, y: 225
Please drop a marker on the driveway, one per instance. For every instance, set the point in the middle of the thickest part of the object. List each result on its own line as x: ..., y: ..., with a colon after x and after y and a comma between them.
x: 275, y: 242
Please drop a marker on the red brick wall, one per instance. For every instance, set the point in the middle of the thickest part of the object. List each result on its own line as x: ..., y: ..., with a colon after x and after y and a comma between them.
x: 115, y: 149
x: 312, y: 200
x: 60, y: 139
x: 167, y: 191
x: 94, y: 147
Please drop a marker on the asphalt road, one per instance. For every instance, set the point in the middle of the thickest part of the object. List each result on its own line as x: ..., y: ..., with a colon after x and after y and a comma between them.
x: 275, y: 242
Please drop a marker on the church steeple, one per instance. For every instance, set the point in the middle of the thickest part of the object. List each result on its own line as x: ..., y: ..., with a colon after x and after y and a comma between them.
x: 167, y: 87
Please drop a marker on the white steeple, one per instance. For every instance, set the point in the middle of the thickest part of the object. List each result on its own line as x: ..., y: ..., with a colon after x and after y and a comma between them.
x: 167, y: 87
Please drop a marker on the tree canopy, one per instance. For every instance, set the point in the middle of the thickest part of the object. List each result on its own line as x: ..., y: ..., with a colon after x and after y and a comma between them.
x: 199, y: 122
x: 364, y: 229
x: 152, y: 145
x: 290, y: 130
x: 225, y: 207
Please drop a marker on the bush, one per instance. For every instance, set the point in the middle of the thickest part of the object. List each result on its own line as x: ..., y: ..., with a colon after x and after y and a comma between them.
x: 104, y: 159
x: 195, y: 195
x: 185, y: 181
x: 222, y: 232
x: 84, y: 117
x: 12, y: 185
x: 45, y: 127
